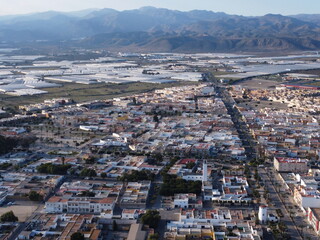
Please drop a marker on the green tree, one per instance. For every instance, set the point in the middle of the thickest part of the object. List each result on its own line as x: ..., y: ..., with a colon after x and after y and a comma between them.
x: 77, y: 236
x: 87, y: 194
x: 5, y: 166
x: 247, y: 171
x: 256, y: 175
x: 154, y: 236
x: 190, y: 165
x: 90, y: 160
x: 135, y: 176
x: 155, y: 118
x: 8, y: 217
x: 256, y: 193
x: 158, y: 157
x: 172, y: 184
x: 103, y: 175
x: 35, y: 196
x: 88, y: 172
x: 151, y: 218
x: 73, y: 172
x: 50, y: 168
x: 7, y: 144
x: 114, y: 225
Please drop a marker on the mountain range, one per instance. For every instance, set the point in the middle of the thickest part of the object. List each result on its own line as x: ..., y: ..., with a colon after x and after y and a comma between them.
x: 154, y: 29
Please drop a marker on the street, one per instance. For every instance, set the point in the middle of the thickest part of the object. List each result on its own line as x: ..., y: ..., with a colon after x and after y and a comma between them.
x: 278, y: 204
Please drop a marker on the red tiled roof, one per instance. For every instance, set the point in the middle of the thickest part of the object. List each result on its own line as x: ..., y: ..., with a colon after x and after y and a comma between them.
x: 185, y: 161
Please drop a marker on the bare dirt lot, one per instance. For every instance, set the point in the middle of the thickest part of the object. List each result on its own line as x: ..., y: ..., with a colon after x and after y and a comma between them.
x: 257, y: 83
x: 21, y: 210
x: 257, y: 105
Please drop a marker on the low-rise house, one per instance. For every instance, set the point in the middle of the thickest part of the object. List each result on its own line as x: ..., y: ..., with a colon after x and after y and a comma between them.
x: 135, y: 195
x: 215, y: 224
x: 62, y: 226
x: 131, y: 214
x: 306, y: 197
x: 189, y: 200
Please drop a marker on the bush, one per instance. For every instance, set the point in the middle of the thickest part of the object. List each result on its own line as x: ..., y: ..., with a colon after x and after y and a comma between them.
x: 8, y: 217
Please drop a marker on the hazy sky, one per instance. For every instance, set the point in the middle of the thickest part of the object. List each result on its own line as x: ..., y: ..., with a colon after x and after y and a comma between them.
x: 241, y: 7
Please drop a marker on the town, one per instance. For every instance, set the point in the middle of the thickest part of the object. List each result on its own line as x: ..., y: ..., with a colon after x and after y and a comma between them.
x: 227, y: 151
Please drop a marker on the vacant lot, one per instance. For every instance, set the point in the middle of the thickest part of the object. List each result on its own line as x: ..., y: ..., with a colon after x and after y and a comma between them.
x: 257, y: 105
x: 81, y: 92
x: 258, y: 83
x: 21, y: 210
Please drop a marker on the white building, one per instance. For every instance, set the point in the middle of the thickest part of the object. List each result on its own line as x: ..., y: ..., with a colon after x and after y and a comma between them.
x: 181, y: 200
x: 205, y: 171
x: 307, y: 197
x: 192, y: 222
x: 79, y: 205
x: 88, y: 128
x: 131, y: 214
x: 192, y: 176
x: 263, y: 214
x: 313, y: 215
x: 188, y: 200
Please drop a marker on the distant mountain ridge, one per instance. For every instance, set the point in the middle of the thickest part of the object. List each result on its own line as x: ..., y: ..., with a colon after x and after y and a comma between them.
x: 154, y: 29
